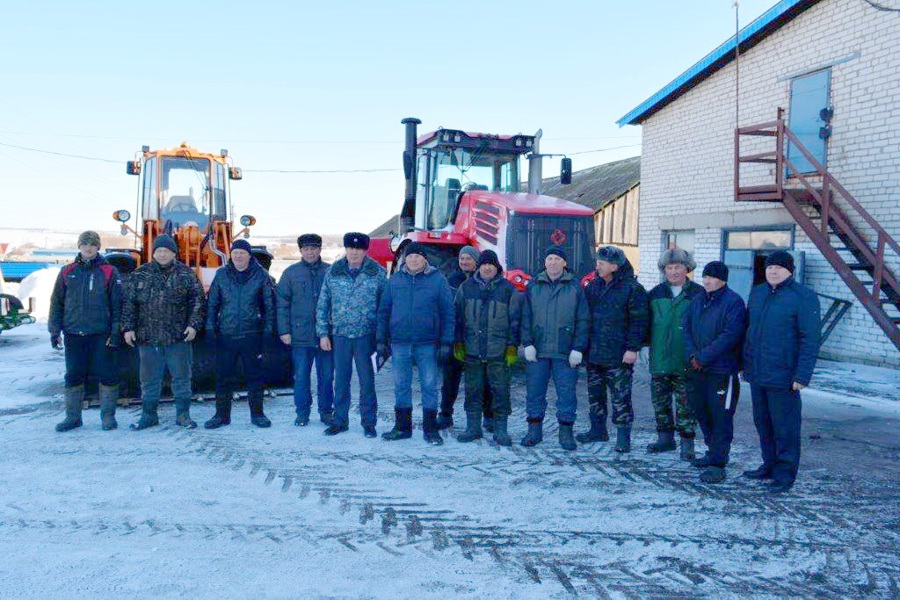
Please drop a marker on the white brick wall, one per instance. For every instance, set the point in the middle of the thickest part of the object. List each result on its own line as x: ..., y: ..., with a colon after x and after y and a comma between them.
x: 687, y: 157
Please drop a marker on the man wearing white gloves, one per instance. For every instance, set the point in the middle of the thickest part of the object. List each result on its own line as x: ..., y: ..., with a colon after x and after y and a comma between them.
x: 555, y: 325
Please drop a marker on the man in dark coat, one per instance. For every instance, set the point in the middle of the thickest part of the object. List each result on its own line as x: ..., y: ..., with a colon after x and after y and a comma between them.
x: 162, y: 313
x: 416, y: 326
x: 713, y: 331
x: 86, y: 306
x: 555, y: 325
x: 619, y: 314
x: 240, y: 315
x: 779, y: 356
x: 668, y: 303
x: 297, y: 295
x: 488, y: 317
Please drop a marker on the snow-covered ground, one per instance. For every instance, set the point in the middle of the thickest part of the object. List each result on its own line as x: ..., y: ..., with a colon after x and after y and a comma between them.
x: 290, y: 513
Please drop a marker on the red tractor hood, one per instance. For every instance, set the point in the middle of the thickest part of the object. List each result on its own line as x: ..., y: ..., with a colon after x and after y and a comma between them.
x: 531, y: 203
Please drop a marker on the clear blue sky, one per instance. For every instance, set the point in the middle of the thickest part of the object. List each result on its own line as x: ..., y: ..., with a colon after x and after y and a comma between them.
x: 318, y: 86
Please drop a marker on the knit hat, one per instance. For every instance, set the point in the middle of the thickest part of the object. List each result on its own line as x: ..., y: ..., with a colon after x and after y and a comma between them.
x: 89, y: 238
x: 354, y: 239
x: 165, y: 241
x: 612, y: 255
x: 716, y: 269
x: 781, y: 259
x: 309, y: 239
x: 470, y: 251
x: 558, y: 251
x: 241, y: 245
x: 676, y: 256
x: 415, y: 248
x: 489, y: 257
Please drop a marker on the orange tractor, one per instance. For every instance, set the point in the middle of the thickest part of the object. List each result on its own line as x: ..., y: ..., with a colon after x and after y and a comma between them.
x: 186, y: 193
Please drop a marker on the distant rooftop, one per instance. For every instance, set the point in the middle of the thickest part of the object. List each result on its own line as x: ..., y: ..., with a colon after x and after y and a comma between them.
x: 597, y: 186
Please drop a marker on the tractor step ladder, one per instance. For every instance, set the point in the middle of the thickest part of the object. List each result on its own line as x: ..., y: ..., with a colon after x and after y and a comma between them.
x: 849, y: 238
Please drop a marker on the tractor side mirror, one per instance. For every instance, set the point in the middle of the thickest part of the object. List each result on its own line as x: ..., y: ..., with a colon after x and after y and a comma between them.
x: 133, y: 167
x: 235, y: 173
x: 248, y: 220
x: 565, y: 171
x: 122, y: 216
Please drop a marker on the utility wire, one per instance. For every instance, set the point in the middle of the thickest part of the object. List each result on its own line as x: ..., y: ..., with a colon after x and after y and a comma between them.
x: 106, y: 160
x: 881, y: 7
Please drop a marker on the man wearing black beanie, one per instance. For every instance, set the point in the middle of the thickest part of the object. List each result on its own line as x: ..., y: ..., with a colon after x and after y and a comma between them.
x: 779, y: 356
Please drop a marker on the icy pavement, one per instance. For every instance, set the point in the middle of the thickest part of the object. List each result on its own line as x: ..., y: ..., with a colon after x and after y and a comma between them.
x: 290, y: 513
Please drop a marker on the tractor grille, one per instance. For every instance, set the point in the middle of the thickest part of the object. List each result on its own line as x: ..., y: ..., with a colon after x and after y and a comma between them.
x: 530, y: 235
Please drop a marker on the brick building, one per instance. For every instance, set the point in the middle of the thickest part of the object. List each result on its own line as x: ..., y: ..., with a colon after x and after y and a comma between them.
x: 834, y: 67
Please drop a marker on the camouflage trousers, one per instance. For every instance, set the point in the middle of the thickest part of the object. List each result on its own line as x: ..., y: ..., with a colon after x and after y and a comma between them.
x: 613, y: 383
x: 662, y: 390
x: 487, y: 388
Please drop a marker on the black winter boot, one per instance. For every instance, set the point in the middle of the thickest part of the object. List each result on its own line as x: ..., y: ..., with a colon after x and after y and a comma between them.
x: 597, y: 432
x: 74, y: 403
x: 687, y: 449
x: 430, y: 428
x: 223, y: 413
x: 326, y: 417
x: 665, y: 442
x: 402, y: 426
x: 535, y: 434
x: 501, y: 437
x: 149, y: 416
x: 488, y: 423
x: 702, y: 462
x: 109, y: 397
x: 445, y: 421
x: 257, y: 416
x: 760, y: 472
x: 302, y: 420
x: 183, y: 415
x: 712, y: 475
x: 566, y: 441
x: 623, y: 439
x: 473, y: 428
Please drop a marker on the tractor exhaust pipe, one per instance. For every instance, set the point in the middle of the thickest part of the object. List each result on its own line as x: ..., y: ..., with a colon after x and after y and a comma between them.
x: 408, y: 214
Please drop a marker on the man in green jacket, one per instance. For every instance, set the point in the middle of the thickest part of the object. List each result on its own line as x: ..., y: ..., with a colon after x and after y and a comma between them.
x: 668, y: 302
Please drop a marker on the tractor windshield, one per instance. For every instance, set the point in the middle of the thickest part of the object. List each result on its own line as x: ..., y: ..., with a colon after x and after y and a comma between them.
x: 184, y: 190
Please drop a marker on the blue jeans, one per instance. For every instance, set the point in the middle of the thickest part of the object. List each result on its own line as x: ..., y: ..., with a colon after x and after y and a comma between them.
x: 304, y: 357
x: 537, y: 378
x: 347, y: 352
x: 154, y: 360
x: 88, y: 356
x: 424, y: 356
x: 777, y: 416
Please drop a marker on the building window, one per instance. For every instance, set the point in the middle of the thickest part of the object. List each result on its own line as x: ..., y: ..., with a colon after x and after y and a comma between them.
x: 773, y: 239
x: 683, y: 239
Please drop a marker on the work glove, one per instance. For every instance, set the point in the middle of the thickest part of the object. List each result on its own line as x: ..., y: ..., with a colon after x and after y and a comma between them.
x: 574, y: 358
x: 512, y: 356
x: 56, y: 341
x: 530, y: 353
x: 459, y: 351
x: 445, y: 353
x: 695, y: 364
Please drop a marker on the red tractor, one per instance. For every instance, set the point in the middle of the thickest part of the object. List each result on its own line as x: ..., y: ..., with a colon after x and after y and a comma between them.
x: 464, y: 188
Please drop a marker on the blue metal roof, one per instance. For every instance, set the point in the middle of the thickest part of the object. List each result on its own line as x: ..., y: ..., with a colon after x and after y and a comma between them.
x: 768, y: 22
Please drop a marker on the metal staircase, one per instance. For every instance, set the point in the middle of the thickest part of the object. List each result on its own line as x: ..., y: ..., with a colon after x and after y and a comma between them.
x: 849, y: 238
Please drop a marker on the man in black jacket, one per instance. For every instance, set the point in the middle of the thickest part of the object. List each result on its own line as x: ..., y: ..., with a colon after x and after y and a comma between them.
x: 619, y: 317
x: 296, y: 296
x: 86, y: 305
x: 240, y: 315
x: 162, y: 313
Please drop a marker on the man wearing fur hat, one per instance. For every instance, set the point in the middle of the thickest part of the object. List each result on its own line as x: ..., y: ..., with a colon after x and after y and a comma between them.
x: 162, y: 313
x: 297, y: 295
x: 668, y: 303
x: 779, y: 356
x: 555, y: 328
x: 416, y: 324
x: 619, y: 315
x: 86, y: 306
x: 240, y: 315
x: 346, y: 316
x: 488, y: 317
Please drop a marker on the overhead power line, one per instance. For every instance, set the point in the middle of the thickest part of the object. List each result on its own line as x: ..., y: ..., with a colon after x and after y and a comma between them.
x: 881, y: 7
x: 106, y: 160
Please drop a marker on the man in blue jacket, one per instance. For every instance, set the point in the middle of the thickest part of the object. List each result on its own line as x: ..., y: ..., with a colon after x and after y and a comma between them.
x: 240, y: 315
x: 713, y: 329
x: 86, y: 306
x: 297, y: 295
x: 779, y: 357
x: 416, y: 324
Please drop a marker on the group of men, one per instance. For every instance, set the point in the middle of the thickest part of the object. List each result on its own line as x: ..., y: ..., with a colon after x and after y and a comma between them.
x: 466, y: 328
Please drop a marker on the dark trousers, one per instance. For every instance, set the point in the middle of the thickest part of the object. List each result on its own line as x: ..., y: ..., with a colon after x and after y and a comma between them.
x: 487, y: 388
x: 614, y: 383
x: 714, y: 399
x: 452, y: 377
x: 776, y: 414
x: 347, y: 352
x: 247, y: 350
x: 304, y: 358
x: 88, y: 356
